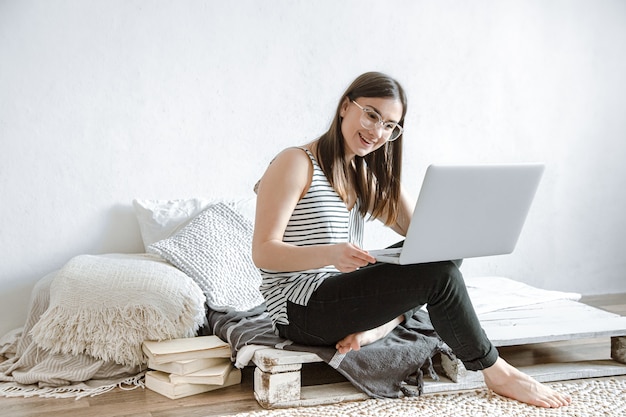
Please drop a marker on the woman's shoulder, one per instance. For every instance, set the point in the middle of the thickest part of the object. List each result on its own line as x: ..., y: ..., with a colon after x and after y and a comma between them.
x: 296, y: 151
x: 299, y: 155
x: 292, y: 160
x: 290, y: 169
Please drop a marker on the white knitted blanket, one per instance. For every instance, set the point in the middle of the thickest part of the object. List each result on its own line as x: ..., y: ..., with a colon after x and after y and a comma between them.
x: 31, y: 370
x: 106, y: 306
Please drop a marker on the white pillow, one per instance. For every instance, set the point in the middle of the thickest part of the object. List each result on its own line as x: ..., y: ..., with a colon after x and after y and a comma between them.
x: 215, y: 250
x: 160, y: 219
x: 107, y: 305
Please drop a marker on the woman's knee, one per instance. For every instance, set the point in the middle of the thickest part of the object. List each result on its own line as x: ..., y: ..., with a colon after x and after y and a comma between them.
x: 445, y: 278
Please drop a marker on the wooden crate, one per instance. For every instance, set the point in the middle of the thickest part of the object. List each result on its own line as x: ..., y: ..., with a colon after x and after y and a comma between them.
x: 277, y: 380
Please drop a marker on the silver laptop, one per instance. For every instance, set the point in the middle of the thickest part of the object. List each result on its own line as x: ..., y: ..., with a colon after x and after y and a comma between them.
x: 467, y: 211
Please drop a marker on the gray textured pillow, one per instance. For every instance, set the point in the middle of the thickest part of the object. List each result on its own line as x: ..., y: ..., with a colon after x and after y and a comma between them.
x: 214, y: 249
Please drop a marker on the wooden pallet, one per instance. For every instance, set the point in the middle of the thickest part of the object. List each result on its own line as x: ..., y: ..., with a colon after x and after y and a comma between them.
x: 277, y: 377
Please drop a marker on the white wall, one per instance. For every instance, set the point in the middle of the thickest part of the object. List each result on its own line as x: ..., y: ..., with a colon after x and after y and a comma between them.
x: 105, y: 101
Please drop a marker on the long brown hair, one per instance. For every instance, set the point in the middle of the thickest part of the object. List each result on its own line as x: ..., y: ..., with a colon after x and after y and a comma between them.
x: 376, y: 176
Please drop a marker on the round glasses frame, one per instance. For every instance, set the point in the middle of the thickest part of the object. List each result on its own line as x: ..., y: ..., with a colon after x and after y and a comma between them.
x: 371, y: 120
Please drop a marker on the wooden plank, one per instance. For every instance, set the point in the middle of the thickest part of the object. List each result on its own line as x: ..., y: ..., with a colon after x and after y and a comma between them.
x: 541, y: 333
x: 574, y: 370
x: 542, y: 373
x: 269, y: 358
x: 320, y: 395
x: 272, y: 389
x: 556, y: 311
x: 618, y: 349
x: 549, y: 322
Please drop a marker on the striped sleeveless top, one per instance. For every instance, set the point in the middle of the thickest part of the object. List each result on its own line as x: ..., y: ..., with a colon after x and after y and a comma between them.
x: 320, y: 218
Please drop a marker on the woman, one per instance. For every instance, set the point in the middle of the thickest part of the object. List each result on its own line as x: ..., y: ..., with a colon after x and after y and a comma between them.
x: 320, y: 287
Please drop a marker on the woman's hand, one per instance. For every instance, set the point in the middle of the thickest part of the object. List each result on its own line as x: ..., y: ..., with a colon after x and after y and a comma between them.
x: 347, y: 257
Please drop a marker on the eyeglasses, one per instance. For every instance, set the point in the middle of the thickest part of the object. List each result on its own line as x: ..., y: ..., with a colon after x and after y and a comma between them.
x: 371, y: 120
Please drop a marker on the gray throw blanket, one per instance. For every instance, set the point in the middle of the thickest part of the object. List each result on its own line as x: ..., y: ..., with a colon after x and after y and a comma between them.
x: 381, y: 369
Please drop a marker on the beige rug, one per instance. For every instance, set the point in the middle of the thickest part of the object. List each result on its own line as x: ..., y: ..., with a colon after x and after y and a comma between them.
x: 591, y: 398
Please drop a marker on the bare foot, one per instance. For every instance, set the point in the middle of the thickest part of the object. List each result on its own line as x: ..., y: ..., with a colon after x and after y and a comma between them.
x: 505, y: 380
x: 354, y: 341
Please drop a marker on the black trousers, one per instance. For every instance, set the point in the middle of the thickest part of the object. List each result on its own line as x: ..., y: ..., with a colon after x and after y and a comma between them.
x: 374, y: 295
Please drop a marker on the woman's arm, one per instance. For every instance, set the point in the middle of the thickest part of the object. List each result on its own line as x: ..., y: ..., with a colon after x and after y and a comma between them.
x: 405, y: 212
x: 284, y: 183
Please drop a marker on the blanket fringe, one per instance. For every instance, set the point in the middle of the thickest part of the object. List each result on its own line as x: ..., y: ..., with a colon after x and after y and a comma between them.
x: 77, y: 391
x: 113, y: 333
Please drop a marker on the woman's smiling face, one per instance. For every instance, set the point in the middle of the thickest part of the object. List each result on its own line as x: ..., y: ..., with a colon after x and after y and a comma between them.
x: 359, y: 140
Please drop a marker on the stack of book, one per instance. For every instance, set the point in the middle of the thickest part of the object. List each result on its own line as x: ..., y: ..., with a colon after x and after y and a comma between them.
x: 189, y: 366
